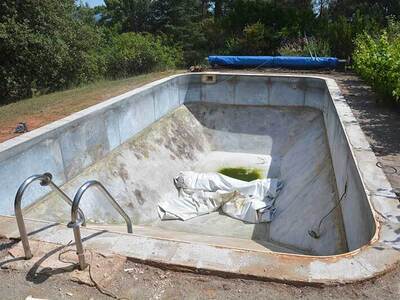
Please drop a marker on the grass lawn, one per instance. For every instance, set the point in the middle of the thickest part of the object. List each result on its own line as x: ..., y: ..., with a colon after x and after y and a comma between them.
x: 45, y: 109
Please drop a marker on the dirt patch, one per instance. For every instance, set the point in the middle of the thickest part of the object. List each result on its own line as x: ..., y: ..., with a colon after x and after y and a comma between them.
x: 52, y: 261
x: 138, y: 281
x: 13, y: 285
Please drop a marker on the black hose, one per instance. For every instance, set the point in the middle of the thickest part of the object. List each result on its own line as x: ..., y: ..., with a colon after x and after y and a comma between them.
x: 315, y: 233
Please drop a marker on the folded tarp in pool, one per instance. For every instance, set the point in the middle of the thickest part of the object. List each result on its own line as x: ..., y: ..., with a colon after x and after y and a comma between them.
x: 203, y: 193
x: 275, y: 61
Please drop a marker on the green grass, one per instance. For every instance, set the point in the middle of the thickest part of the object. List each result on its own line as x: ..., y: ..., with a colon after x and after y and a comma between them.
x: 44, y: 109
x: 244, y: 174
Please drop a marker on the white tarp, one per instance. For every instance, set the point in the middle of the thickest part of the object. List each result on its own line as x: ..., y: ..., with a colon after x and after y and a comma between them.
x: 203, y: 193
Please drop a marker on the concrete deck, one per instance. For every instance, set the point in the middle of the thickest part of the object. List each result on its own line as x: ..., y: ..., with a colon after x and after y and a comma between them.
x: 229, y: 257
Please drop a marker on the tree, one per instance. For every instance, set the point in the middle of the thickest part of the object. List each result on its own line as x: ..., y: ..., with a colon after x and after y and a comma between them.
x: 321, y: 6
x: 379, y: 9
x: 44, y: 46
x: 179, y: 22
x: 128, y: 15
x: 218, y: 4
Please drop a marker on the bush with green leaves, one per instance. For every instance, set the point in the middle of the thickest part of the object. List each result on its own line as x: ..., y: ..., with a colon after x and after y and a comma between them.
x: 134, y: 53
x: 377, y: 60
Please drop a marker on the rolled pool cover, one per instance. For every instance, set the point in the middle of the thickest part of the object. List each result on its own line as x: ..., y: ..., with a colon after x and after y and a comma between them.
x: 296, y: 62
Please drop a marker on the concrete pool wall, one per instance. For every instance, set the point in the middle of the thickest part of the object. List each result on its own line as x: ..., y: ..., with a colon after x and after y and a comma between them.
x: 69, y: 146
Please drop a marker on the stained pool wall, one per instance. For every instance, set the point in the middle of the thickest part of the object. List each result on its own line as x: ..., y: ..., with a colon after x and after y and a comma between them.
x: 65, y: 148
x: 311, y: 92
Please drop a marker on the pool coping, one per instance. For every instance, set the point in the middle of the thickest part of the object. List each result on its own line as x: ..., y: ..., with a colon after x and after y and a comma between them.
x: 380, y: 255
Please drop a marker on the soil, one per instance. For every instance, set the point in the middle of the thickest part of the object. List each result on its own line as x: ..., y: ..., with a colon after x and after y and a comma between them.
x: 139, y: 281
x: 380, y: 123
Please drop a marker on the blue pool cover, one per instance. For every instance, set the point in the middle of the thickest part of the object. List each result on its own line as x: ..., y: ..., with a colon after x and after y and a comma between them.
x: 275, y: 61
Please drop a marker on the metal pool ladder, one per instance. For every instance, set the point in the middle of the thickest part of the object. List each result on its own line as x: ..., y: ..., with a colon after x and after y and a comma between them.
x: 45, y: 180
x: 75, y: 223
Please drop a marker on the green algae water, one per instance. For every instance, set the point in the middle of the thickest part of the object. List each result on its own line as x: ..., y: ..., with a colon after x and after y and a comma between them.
x: 244, y: 174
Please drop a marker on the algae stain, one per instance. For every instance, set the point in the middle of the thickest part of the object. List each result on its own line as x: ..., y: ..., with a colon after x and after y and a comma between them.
x: 244, y: 174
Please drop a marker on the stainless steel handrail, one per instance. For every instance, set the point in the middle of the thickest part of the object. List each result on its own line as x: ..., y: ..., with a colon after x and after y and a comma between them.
x: 45, y: 180
x: 75, y: 224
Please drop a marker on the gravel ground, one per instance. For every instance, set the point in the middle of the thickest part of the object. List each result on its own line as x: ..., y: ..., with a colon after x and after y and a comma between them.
x: 138, y: 281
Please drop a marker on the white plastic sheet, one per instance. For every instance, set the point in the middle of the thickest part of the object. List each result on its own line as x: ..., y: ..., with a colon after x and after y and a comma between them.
x: 203, y: 193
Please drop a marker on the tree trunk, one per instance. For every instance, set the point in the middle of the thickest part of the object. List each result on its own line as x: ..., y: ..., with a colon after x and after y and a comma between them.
x: 204, y: 7
x: 218, y: 8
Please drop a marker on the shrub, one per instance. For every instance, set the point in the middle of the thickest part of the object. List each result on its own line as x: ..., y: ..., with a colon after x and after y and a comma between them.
x: 305, y: 47
x: 377, y: 60
x: 133, y: 53
x: 255, y: 40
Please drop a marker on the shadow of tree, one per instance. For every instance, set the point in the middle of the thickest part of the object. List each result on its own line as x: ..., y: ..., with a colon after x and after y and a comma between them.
x: 380, y: 122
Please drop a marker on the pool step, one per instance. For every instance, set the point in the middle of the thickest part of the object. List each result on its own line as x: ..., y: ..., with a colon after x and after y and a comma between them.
x: 220, y: 241
x: 236, y: 257
x: 60, y: 234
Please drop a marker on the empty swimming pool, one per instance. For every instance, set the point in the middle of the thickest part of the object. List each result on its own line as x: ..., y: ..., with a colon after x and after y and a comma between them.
x: 295, y: 128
